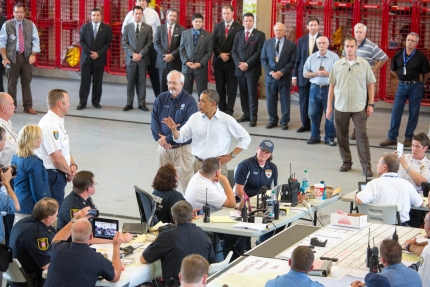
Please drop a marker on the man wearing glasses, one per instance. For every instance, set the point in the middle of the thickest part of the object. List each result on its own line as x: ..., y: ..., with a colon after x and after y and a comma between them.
x: 179, y: 105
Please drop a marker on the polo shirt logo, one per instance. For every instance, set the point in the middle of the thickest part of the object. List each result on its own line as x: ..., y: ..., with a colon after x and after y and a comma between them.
x: 268, y: 173
x: 56, y: 135
x: 73, y: 211
x: 42, y: 243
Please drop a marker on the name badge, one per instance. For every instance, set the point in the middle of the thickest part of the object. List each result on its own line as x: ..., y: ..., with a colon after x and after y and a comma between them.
x: 12, y: 36
x: 404, y: 70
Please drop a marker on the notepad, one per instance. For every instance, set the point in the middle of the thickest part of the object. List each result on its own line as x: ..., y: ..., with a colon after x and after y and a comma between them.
x: 221, y: 219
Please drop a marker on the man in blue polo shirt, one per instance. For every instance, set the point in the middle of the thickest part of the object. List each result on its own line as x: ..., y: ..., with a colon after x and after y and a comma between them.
x: 179, y: 105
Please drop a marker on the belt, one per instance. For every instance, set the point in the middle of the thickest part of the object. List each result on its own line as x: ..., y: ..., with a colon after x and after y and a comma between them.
x: 199, y: 159
x: 19, y: 53
x: 179, y: 145
x: 320, y: 86
x: 53, y: 169
x: 410, y: 82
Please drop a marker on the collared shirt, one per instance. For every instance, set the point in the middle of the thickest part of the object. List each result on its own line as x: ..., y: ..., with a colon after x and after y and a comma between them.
x: 252, y: 176
x: 315, y: 61
x: 197, y: 189
x: 10, y: 145
x: 98, y: 25
x: 350, y: 84
x: 420, y: 166
x: 293, y: 278
x: 370, y: 52
x: 250, y: 31
x: 179, y: 109
x: 424, y: 270
x: 399, y: 275
x: 196, y: 32
x: 151, y: 18
x: 281, y: 44
x: 138, y: 25
x: 35, y: 37
x: 391, y: 189
x: 72, y: 203
x: 212, y: 137
x: 54, y: 137
x: 8, y: 206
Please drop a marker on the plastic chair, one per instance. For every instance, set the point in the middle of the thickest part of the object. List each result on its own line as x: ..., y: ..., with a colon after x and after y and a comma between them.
x: 215, y: 267
x: 15, y: 273
x: 387, y: 214
x: 230, y: 177
x: 147, y: 207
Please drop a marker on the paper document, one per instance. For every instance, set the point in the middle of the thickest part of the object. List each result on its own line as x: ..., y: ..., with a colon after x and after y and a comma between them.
x: 252, y: 226
x: 234, y: 213
x: 221, y: 219
x: 399, y: 149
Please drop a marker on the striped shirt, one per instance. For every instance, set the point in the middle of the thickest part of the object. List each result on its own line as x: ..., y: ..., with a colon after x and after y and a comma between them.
x: 370, y: 52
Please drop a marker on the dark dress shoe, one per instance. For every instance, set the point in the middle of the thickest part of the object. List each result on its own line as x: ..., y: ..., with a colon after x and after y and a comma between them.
x: 97, y: 106
x: 303, y: 129
x: 330, y: 143
x: 313, y: 141
x: 270, y: 125
x: 369, y: 172
x: 80, y: 107
x: 253, y: 124
x: 243, y: 119
x: 127, y: 108
x: 143, y: 108
x: 284, y: 127
x: 345, y: 166
x: 353, y: 137
x: 388, y: 142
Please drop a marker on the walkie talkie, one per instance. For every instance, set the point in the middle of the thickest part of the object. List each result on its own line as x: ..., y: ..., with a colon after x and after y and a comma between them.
x: 207, y: 210
x: 369, y: 252
x: 395, y: 236
x: 374, y: 260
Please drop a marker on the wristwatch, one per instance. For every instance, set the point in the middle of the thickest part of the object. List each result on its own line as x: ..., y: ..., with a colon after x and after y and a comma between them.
x: 233, y: 155
x: 372, y: 105
x: 73, y: 219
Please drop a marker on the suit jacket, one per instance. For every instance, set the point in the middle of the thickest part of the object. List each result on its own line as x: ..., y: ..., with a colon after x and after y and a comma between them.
x: 248, y: 52
x: 201, y: 55
x: 302, y: 56
x: 2, y: 21
x: 160, y: 45
x: 100, y: 44
x: 223, y: 44
x: 141, y: 45
x: 287, y: 59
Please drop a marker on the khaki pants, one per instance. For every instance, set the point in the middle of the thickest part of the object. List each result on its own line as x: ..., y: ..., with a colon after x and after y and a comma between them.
x: 182, y: 159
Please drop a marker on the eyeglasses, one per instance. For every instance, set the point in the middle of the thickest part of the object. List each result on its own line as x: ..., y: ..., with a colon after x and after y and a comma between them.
x: 172, y: 83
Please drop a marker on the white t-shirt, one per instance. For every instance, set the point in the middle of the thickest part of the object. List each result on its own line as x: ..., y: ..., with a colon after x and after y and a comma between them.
x: 150, y: 16
x: 391, y: 189
x: 54, y: 137
x: 424, y: 269
x: 196, y: 193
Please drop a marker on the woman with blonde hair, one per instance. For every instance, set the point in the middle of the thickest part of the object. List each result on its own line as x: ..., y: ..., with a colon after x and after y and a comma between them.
x: 31, y: 181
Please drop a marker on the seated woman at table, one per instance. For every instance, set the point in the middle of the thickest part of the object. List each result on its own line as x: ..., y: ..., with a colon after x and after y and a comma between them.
x: 31, y: 181
x: 165, y: 194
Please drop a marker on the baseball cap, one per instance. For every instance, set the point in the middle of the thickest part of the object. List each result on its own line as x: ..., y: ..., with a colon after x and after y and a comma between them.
x: 267, y: 145
x: 376, y: 280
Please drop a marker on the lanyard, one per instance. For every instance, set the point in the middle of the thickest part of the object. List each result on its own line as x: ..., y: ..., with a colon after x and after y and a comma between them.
x: 14, y: 137
x: 405, y: 61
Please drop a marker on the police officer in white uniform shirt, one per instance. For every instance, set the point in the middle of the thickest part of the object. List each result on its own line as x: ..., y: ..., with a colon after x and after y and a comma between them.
x: 55, y: 148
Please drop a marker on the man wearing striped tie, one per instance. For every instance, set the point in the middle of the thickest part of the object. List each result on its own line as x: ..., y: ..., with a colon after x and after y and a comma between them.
x: 19, y: 44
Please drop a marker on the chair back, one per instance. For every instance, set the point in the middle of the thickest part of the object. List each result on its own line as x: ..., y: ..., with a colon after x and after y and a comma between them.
x: 147, y: 207
x: 15, y: 273
x: 6, y: 256
x: 387, y: 214
x: 215, y: 267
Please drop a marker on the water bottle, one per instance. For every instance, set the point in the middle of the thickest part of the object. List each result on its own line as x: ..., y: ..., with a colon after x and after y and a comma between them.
x: 305, y: 182
x: 324, y: 197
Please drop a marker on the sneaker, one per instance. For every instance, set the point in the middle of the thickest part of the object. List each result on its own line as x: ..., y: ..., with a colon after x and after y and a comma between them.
x: 345, y: 166
x: 388, y: 142
x: 407, y: 142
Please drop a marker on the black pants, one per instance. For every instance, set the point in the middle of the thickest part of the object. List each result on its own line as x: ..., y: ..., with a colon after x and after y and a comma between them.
x: 153, y: 72
x: 226, y: 86
x: 248, y: 97
x: 97, y: 73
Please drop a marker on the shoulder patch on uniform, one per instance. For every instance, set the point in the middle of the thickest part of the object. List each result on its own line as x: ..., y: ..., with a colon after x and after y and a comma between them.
x: 73, y: 211
x: 42, y: 243
x: 56, y: 135
x: 268, y: 173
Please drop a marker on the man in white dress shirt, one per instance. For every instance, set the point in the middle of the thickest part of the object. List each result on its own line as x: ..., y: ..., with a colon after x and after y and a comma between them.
x: 7, y: 110
x: 389, y: 188
x: 211, y: 131
x: 55, y: 147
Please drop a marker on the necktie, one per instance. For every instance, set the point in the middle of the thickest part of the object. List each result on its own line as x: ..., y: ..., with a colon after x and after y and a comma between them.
x: 246, y: 36
x: 137, y: 31
x: 21, y: 38
x: 311, y: 46
x: 95, y: 30
x: 226, y: 30
x: 277, y: 47
x: 196, y: 39
x: 169, y: 37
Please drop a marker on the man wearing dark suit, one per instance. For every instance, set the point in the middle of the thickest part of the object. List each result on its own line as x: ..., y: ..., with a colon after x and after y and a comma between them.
x: 2, y: 21
x: 226, y: 81
x: 166, y: 42
x: 95, y: 38
x: 196, y: 50
x: 278, y: 58
x: 137, y: 40
x: 246, y: 53
x: 304, y: 50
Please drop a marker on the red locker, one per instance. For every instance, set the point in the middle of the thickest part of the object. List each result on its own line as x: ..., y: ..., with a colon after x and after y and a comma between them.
x: 341, y: 25
x: 68, y: 23
x: 423, y: 13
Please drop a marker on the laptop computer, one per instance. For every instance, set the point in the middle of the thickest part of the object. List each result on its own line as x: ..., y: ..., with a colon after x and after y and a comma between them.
x: 361, y: 185
x: 134, y: 228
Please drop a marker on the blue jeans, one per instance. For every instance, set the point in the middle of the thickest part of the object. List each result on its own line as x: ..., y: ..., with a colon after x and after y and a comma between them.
x: 413, y: 93
x: 317, y: 107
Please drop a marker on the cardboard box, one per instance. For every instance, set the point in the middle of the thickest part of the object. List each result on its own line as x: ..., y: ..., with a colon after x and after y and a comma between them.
x: 353, y: 220
x: 329, y: 191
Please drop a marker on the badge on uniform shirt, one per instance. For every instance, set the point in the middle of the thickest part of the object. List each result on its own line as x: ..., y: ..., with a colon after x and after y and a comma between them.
x: 182, y: 106
x: 56, y: 135
x: 268, y: 173
x: 42, y: 243
x: 73, y: 211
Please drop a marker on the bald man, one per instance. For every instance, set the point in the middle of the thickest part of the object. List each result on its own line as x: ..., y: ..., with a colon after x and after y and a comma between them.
x: 277, y: 58
x: 71, y: 259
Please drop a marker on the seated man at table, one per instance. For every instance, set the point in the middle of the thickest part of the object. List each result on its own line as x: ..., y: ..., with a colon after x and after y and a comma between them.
x: 205, y: 187
x: 75, y: 263
x: 389, y: 188
x: 390, y: 254
x: 171, y: 246
x: 422, y: 249
x: 372, y: 280
x: 301, y: 262
x: 194, y: 271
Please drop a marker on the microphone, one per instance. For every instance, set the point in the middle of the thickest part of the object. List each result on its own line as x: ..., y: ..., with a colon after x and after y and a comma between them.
x: 207, y: 210
x: 369, y: 251
x: 349, y: 69
x: 395, y: 236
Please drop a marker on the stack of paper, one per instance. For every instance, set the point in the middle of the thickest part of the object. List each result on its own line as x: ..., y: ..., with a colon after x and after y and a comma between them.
x: 250, y: 225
